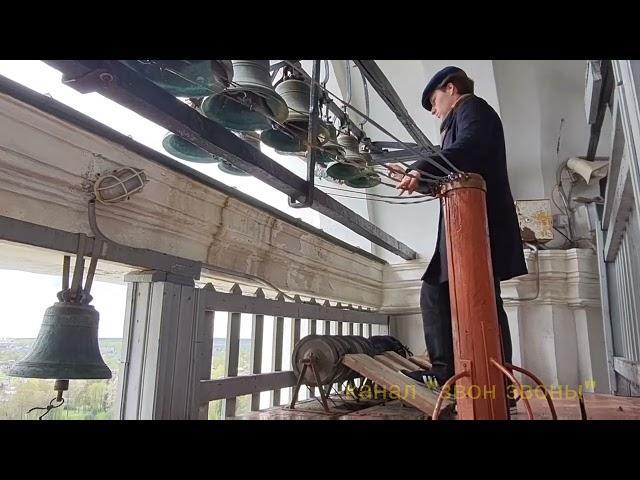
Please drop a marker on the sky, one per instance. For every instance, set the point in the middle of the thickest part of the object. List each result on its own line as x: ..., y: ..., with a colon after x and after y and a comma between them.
x: 26, y: 296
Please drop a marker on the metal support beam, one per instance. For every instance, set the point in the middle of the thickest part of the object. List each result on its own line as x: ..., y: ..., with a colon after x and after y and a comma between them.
x: 27, y: 233
x: 115, y: 81
x: 604, y: 100
x: 312, y: 140
x: 383, y: 87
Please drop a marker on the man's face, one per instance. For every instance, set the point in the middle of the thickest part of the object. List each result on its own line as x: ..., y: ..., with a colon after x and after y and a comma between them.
x: 442, y: 100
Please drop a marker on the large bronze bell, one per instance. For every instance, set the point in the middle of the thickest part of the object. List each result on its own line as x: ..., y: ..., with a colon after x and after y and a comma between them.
x: 292, y: 136
x: 67, y: 343
x: 343, y: 171
x: 186, y: 78
x: 250, y: 103
x: 185, y: 150
x: 66, y: 346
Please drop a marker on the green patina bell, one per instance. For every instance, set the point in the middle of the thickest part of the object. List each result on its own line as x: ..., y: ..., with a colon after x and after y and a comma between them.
x: 368, y: 180
x: 186, y: 78
x: 297, y: 95
x: 291, y: 140
x: 343, y: 171
x: 185, y: 150
x: 250, y: 103
x: 231, y: 169
x: 66, y: 346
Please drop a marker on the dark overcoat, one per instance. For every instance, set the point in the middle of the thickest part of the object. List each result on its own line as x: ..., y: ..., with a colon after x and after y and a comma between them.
x: 473, y: 140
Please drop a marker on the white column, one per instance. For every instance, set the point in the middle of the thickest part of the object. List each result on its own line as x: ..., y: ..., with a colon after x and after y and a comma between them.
x: 158, y: 350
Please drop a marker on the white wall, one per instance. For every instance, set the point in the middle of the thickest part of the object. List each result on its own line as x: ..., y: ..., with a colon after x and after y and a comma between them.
x: 534, y: 97
x: 520, y: 113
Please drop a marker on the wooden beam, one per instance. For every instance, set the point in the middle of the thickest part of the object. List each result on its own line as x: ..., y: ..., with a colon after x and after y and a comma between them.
x: 226, y: 302
x: 278, y: 340
x: 231, y: 358
x: 406, y: 364
x: 420, y: 362
x: 222, y: 388
x: 418, y: 396
x: 390, y: 363
x: 257, y: 334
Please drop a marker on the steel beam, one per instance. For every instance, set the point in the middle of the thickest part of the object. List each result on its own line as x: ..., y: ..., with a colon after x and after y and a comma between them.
x: 604, y: 100
x: 19, y: 231
x: 383, y: 87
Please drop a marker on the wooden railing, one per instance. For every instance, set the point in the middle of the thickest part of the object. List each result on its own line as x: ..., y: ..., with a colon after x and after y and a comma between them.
x: 317, y: 318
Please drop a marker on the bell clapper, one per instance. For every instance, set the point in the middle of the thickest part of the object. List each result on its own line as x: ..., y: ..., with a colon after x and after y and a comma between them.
x: 59, y: 386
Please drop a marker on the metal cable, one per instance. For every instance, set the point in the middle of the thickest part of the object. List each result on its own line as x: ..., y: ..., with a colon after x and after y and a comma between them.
x: 366, y: 99
x: 373, y: 194
x: 348, y: 73
x: 384, y: 201
x: 439, y: 153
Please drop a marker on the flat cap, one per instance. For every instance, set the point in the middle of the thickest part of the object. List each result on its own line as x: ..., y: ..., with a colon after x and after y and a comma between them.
x: 436, y: 82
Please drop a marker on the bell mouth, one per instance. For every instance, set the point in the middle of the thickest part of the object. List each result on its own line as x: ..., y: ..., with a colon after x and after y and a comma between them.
x: 368, y: 180
x: 293, y: 140
x: 55, y: 371
x: 246, y: 108
x: 185, y: 150
x: 231, y: 169
x: 186, y: 78
x: 343, y: 171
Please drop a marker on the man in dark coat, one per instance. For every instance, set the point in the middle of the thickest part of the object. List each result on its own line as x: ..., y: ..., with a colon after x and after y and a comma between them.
x: 473, y: 141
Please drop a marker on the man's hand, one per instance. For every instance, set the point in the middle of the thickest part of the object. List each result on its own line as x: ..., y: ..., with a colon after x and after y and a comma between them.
x: 409, y: 183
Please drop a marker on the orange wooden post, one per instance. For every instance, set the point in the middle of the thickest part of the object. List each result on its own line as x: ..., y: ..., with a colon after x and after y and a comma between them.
x: 474, y: 316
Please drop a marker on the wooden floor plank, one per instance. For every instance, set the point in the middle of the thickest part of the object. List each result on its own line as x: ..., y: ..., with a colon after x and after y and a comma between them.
x: 408, y: 365
x: 420, y: 362
x: 389, y: 362
x: 394, y: 410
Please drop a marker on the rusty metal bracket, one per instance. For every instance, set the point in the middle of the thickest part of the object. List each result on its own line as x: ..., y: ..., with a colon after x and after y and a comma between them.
x: 89, y: 82
x: 309, y: 363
